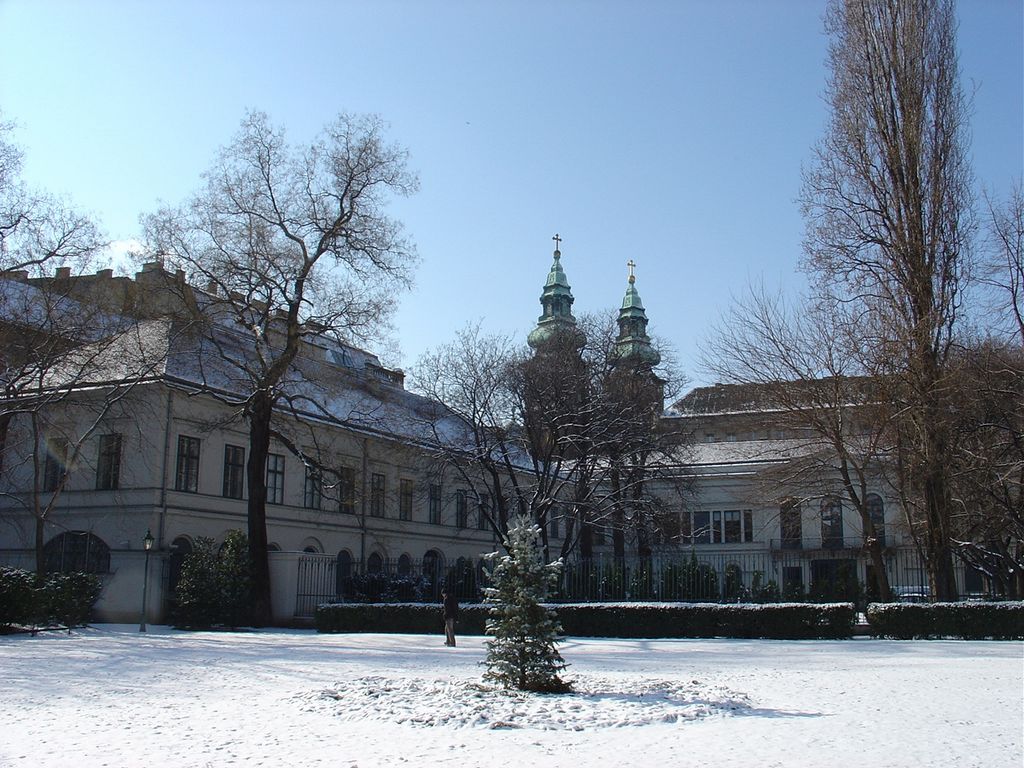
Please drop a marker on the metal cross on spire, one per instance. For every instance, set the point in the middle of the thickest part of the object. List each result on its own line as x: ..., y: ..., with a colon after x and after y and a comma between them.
x: 631, y: 264
x: 558, y: 241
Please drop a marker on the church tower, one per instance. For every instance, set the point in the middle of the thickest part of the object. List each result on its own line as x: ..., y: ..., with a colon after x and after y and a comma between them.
x: 557, y: 303
x: 633, y: 345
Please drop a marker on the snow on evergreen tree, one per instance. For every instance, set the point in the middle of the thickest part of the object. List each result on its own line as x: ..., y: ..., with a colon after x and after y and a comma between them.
x: 523, y: 650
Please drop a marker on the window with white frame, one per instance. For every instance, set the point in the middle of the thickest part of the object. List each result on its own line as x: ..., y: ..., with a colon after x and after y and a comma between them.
x: 377, y: 494
x: 721, y: 526
x: 186, y: 475
x: 405, y: 495
x: 275, y: 478
x: 313, y: 489
x: 108, y: 463
x: 234, y: 471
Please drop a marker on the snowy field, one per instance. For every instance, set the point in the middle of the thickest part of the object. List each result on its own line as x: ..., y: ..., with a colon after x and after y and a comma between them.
x: 108, y: 696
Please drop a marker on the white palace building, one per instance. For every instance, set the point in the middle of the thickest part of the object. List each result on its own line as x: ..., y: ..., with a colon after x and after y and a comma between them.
x: 93, y: 474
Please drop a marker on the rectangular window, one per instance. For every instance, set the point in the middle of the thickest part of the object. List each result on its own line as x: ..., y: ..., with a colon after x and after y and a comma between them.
x: 748, y: 525
x: 377, y: 495
x: 108, y: 463
x: 54, y: 465
x: 313, y: 490
x: 435, y: 504
x: 275, y: 478
x: 716, y: 527
x: 347, y: 490
x: 732, y: 526
x: 461, y: 509
x: 599, y: 536
x: 405, y: 493
x: 234, y: 471
x: 791, y: 525
x: 553, y: 527
x: 701, y: 527
x: 186, y: 475
x: 484, y: 521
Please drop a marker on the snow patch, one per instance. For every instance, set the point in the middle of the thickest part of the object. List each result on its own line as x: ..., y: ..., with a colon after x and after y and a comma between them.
x: 595, y: 703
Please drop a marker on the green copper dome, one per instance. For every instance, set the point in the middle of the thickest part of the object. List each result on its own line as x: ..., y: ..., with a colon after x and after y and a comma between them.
x: 633, y: 344
x: 557, y: 302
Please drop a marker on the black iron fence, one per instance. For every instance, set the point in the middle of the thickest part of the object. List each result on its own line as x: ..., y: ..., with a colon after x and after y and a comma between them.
x: 813, y: 573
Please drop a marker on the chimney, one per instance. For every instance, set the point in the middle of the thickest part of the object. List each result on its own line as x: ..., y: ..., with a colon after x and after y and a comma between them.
x: 63, y: 273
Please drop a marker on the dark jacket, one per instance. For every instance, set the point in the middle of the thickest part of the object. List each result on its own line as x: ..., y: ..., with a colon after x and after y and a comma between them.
x: 451, y: 606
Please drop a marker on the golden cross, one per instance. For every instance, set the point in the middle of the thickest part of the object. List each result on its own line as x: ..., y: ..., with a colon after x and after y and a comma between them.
x: 631, y: 264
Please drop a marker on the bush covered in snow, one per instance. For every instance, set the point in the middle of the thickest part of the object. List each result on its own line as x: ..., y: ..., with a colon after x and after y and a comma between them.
x: 56, y: 599
x: 404, y: 618
x: 779, y: 621
x: 647, y: 620
x: 214, y: 588
x: 967, y: 621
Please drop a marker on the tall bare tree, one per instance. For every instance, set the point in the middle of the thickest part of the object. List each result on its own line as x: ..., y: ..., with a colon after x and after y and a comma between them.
x: 553, y: 429
x: 889, y: 217
x: 810, y: 374
x: 289, y: 242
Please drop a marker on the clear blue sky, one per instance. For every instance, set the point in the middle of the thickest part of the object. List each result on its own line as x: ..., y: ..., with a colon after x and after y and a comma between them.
x: 670, y: 133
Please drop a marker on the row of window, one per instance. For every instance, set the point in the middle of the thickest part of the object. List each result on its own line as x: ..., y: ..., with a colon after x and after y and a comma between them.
x: 108, y: 463
x: 344, y: 492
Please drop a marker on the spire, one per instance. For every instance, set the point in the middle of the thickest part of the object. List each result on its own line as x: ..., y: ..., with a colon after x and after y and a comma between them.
x: 633, y: 344
x: 556, y: 300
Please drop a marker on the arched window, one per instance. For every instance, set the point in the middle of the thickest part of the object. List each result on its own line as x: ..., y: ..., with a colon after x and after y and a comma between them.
x: 831, y: 523
x: 433, y: 570
x: 375, y: 563
x: 404, y: 565
x: 343, y: 574
x: 77, y: 551
x: 876, y: 511
x: 312, y: 546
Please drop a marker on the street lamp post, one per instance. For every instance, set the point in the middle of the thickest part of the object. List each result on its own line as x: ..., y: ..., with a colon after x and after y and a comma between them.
x: 147, y: 544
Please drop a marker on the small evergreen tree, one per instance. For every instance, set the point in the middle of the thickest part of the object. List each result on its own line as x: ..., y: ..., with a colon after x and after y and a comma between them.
x: 523, y: 650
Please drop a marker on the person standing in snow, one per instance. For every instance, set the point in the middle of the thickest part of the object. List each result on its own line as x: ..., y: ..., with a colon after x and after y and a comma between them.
x: 450, y: 606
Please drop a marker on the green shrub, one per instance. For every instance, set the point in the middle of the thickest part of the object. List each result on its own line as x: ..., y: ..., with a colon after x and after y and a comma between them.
x: 17, y: 596
x: 70, y: 597
x: 966, y: 621
x: 385, y: 588
x: 234, y: 581
x: 630, y: 620
x: 58, y: 599
x: 405, y: 618
x: 215, y: 586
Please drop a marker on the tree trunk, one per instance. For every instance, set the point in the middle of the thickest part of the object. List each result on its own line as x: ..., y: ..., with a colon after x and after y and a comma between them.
x: 259, y: 414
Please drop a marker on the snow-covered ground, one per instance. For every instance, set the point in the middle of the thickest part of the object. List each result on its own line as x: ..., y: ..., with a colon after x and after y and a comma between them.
x: 111, y: 696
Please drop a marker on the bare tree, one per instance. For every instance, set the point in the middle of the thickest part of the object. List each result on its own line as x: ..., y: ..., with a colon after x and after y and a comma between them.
x: 809, y: 373
x: 1005, y: 258
x: 989, y: 464
x: 69, y: 371
x: 888, y: 209
x: 554, y: 429
x: 290, y: 243
x: 37, y: 230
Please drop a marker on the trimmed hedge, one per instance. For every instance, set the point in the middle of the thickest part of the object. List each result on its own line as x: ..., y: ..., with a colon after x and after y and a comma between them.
x: 785, y: 621
x: 966, y: 621
x: 404, y: 618
x: 58, y: 599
